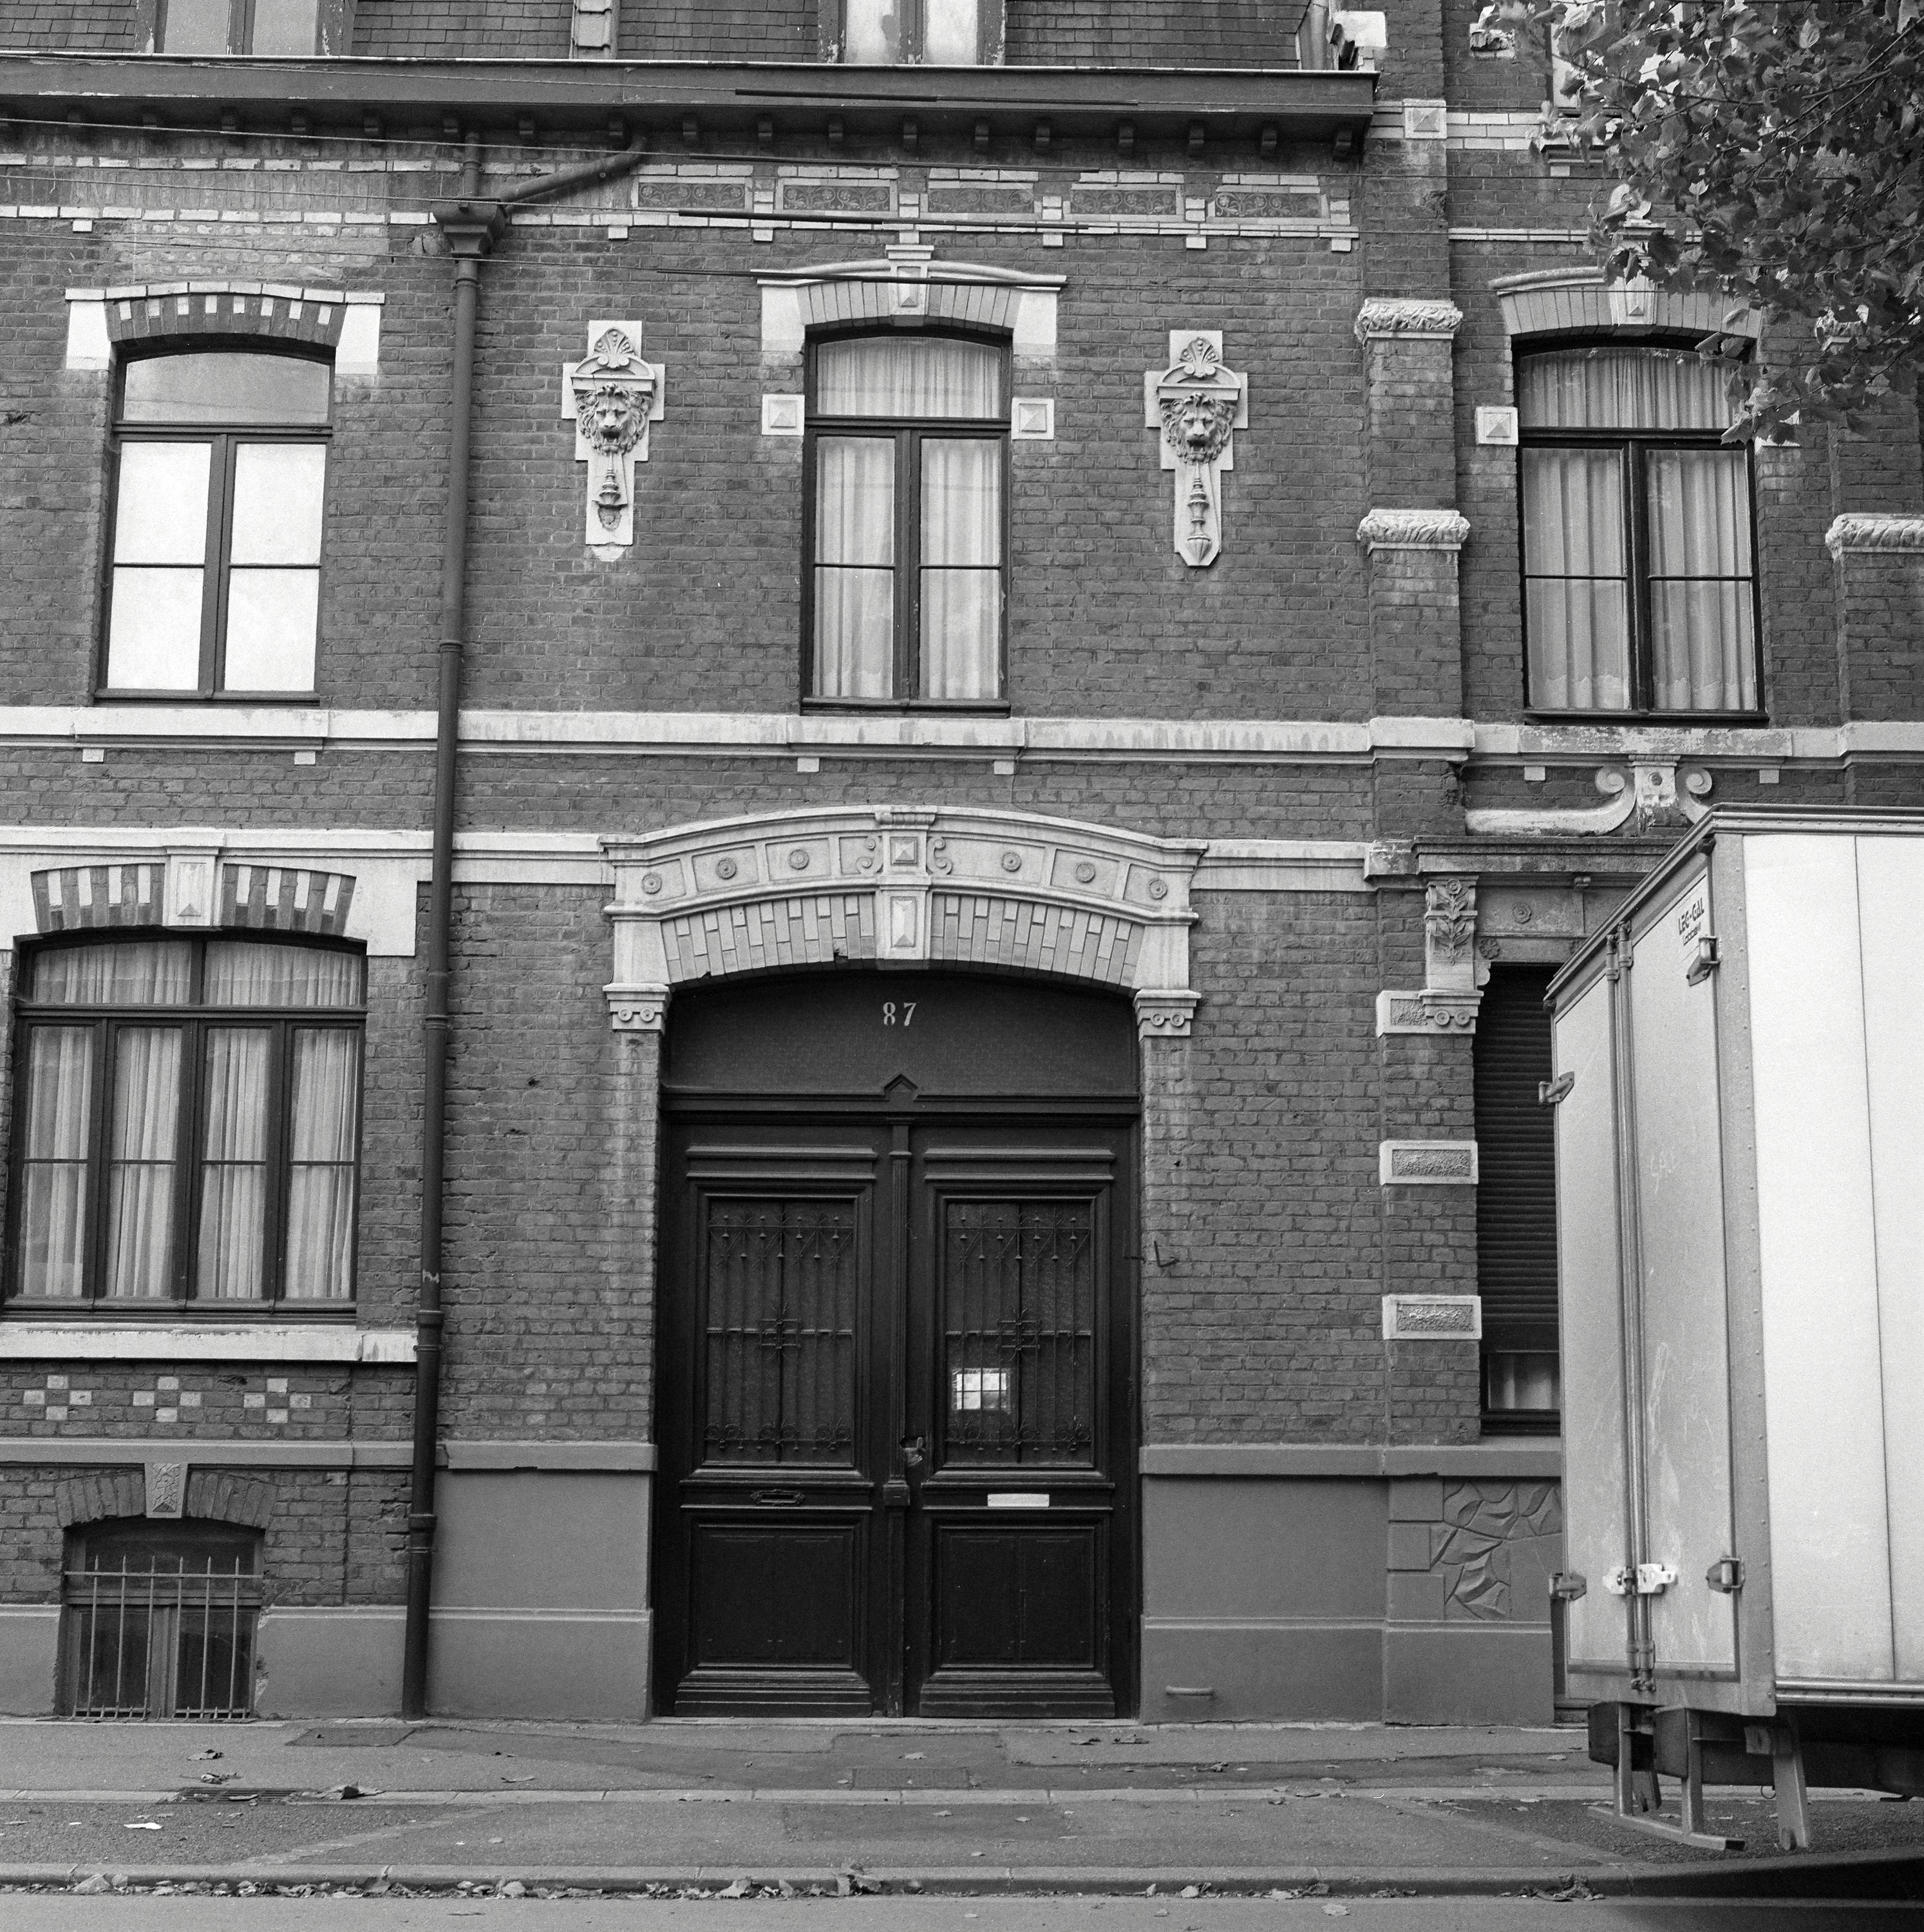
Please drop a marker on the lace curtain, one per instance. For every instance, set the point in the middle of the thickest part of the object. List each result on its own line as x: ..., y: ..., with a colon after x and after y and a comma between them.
x: 958, y: 532
x: 1695, y: 510
x: 234, y: 1147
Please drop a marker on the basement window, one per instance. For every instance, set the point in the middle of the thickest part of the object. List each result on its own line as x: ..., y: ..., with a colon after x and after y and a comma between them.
x: 159, y: 1620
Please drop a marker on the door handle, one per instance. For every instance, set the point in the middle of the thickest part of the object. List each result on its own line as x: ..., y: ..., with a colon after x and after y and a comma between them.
x: 911, y: 1452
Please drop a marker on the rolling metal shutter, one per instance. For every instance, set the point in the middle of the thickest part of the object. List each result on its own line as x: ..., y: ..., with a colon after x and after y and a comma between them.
x: 1516, y: 1197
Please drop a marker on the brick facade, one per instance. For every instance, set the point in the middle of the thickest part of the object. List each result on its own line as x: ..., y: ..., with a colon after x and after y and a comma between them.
x: 1325, y: 717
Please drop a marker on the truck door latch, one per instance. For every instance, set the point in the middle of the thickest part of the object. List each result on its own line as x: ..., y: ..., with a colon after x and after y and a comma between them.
x: 1653, y: 1579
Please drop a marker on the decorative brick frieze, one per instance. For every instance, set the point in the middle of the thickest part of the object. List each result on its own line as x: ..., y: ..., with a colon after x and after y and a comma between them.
x: 1427, y: 1164
x: 1432, y: 1318
x: 1383, y: 319
x: 1413, y: 529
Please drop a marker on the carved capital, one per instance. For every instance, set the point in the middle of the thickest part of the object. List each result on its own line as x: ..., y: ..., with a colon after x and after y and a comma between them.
x: 637, y: 1009
x: 1379, y: 318
x: 1197, y: 404
x: 1875, y: 533
x: 1165, y: 1012
x: 1413, y: 529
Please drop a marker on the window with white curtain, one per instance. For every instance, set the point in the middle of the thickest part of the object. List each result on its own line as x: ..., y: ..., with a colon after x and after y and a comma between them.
x: 289, y: 27
x: 941, y: 33
x: 908, y: 463
x: 1640, y: 586
x: 214, y: 573
x: 187, y: 1123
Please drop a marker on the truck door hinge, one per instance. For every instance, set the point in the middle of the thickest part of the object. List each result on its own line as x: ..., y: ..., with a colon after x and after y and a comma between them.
x: 1567, y: 1585
x: 1550, y: 1092
x: 1705, y: 962
x: 1725, y: 1575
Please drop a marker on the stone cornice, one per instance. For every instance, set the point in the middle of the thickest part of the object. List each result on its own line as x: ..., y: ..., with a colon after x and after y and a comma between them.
x: 1413, y: 529
x: 1381, y: 317
x: 1875, y: 532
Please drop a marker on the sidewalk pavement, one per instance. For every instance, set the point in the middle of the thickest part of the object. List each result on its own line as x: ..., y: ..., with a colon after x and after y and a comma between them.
x: 844, y: 1805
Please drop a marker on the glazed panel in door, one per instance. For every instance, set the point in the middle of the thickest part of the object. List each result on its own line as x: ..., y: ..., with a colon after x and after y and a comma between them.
x: 767, y: 1582
x: 1014, y: 1531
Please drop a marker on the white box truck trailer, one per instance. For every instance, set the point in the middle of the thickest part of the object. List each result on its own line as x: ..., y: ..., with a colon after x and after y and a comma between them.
x: 1740, y: 1096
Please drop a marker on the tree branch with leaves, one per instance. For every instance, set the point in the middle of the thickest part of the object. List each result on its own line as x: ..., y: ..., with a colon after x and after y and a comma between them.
x: 1774, y: 154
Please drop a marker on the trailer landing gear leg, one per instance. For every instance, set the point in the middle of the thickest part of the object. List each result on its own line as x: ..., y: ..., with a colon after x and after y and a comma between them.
x: 1787, y: 1771
x: 1639, y: 1795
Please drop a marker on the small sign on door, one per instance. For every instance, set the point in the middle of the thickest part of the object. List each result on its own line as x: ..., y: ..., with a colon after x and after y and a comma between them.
x: 1017, y: 1499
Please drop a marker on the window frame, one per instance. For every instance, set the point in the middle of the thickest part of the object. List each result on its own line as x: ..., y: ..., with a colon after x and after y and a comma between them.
x: 193, y: 1017
x: 1634, y: 446
x: 240, y: 31
x: 907, y: 433
x: 912, y: 43
x: 217, y: 567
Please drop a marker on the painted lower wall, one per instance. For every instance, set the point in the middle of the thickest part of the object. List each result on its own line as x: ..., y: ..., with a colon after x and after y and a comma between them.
x: 1403, y: 1586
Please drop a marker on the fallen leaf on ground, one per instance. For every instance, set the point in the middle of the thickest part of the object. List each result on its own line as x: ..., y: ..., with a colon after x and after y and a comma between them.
x: 517, y: 1777
x: 201, y: 1757
x: 738, y: 1889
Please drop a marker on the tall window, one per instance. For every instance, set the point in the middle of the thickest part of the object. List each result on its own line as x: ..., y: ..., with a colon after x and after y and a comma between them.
x: 1516, y: 1202
x: 289, y: 27
x: 220, y: 471
x: 942, y: 33
x: 160, y: 1621
x: 187, y: 1125
x: 908, y: 456
x: 1640, y: 588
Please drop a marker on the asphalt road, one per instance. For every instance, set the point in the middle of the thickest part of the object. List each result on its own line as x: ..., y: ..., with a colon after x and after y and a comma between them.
x: 50, y: 1913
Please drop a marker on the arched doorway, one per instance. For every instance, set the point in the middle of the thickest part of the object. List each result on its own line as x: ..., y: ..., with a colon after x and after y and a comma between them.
x: 896, y: 1410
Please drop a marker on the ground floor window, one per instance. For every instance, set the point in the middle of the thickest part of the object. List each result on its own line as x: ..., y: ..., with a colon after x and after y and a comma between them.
x: 159, y: 1621
x: 1516, y: 1204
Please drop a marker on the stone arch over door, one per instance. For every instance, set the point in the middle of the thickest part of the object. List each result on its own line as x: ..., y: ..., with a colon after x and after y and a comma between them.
x: 888, y: 886
x: 892, y: 886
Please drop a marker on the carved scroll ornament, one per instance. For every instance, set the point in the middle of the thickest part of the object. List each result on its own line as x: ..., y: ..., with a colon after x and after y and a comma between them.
x: 1198, y: 405
x: 613, y: 396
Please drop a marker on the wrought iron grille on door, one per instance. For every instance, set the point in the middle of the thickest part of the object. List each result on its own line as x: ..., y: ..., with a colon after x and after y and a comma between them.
x: 779, y: 1352
x: 1019, y: 1322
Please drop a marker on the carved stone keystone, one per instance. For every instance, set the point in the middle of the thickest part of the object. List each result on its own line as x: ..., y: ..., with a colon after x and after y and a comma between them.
x: 1198, y: 405
x: 612, y: 397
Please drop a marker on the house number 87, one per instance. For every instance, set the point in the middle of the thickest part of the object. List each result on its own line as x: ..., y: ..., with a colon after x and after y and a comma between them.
x: 908, y: 1010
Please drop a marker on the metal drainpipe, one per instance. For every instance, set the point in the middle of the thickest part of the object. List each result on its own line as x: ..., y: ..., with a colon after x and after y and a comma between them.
x: 472, y: 227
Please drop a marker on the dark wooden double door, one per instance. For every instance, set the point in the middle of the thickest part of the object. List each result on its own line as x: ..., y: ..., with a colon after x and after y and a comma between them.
x: 894, y: 1414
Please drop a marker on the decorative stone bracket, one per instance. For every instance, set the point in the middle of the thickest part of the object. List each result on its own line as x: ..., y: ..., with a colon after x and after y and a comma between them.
x: 1878, y: 532
x: 1386, y: 318
x: 1198, y: 405
x: 1452, y: 971
x: 883, y: 885
x: 611, y: 397
x: 1432, y: 1318
x: 1651, y: 793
